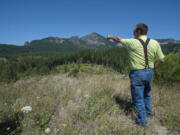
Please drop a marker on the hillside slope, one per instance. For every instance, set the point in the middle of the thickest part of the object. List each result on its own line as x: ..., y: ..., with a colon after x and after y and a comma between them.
x: 90, y: 101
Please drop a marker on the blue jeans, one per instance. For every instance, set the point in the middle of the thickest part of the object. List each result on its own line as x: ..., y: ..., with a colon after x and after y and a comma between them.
x: 141, y: 82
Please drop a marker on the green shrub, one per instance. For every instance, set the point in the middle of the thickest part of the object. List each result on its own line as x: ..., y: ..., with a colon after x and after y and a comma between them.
x: 169, y: 72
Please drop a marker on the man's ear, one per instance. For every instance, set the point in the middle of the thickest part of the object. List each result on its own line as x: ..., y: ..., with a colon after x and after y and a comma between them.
x: 139, y: 32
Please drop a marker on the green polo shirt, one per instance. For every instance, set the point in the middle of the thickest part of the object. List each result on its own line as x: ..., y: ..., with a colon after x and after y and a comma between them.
x: 136, y: 52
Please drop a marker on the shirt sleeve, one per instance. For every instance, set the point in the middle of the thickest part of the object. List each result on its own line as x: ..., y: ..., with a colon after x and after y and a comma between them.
x: 159, y: 53
x: 126, y: 43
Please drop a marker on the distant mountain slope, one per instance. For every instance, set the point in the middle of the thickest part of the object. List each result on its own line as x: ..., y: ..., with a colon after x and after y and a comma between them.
x: 72, y: 44
x: 58, y: 45
x: 13, y: 50
x: 168, y: 41
x: 169, y: 45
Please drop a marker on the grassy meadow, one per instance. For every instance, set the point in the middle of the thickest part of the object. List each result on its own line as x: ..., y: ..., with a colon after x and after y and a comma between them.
x: 83, y: 99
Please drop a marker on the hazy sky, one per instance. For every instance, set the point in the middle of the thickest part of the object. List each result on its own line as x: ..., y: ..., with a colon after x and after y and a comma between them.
x: 26, y: 20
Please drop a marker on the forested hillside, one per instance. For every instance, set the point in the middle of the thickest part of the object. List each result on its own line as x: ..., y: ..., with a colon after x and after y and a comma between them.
x: 13, y: 68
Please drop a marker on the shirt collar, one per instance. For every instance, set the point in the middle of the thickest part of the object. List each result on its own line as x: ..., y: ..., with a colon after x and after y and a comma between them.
x: 143, y: 37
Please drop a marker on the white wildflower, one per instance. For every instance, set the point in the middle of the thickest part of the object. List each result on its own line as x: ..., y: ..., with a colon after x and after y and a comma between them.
x: 64, y: 125
x: 47, y: 130
x: 26, y: 109
x: 86, y: 96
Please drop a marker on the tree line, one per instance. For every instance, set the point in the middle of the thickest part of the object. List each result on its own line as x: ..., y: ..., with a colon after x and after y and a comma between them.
x: 13, y: 68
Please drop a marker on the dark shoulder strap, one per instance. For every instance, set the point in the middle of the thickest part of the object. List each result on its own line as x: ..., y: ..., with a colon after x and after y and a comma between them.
x: 145, y: 44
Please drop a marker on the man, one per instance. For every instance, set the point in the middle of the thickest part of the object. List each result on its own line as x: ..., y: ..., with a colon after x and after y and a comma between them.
x: 143, y: 53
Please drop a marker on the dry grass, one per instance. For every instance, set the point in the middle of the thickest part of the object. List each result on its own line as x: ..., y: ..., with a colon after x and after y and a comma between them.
x: 95, y: 102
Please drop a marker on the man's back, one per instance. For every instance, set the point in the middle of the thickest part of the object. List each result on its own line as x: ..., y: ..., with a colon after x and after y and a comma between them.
x: 142, y: 55
x: 136, y: 52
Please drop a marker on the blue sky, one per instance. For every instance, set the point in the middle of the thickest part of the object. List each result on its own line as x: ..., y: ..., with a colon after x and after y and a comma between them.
x: 26, y: 20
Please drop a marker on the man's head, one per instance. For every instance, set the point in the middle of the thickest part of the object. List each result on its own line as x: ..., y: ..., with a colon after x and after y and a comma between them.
x: 140, y: 29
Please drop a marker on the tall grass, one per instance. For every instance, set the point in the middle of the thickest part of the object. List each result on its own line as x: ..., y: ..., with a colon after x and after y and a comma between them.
x: 93, y: 101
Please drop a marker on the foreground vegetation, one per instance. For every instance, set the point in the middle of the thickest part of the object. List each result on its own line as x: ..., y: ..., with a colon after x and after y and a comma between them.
x: 83, y: 99
x: 71, y: 94
x: 169, y: 71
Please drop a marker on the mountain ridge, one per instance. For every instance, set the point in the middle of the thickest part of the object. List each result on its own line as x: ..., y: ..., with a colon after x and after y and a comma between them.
x: 72, y: 44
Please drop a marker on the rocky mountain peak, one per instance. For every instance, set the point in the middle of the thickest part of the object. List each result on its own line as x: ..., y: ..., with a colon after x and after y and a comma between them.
x: 94, y: 38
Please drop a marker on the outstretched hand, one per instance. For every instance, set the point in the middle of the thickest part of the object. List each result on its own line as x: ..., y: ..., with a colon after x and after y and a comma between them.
x: 117, y: 39
x: 109, y: 37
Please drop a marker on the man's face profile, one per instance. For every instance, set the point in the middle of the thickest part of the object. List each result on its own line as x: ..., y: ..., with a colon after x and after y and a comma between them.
x: 135, y: 33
